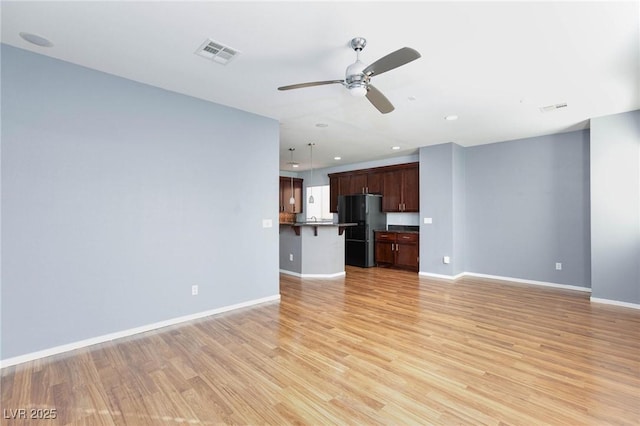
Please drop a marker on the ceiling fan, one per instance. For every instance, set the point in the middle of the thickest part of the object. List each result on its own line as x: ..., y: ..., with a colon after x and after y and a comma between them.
x: 358, y: 75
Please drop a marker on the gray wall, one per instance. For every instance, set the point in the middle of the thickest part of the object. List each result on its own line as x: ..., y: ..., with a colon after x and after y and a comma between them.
x: 436, y: 202
x: 117, y: 197
x: 290, y: 243
x: 459, y: 208
x: 527, y: 207
x: 321, y: 254
x: 615, y: 207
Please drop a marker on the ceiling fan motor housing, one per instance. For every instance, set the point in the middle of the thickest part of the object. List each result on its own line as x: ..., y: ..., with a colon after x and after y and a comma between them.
x: 355, y: 79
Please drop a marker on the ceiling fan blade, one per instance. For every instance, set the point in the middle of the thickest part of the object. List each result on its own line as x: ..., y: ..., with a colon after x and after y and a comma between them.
x: 314, y: 83
x: 379, y: 100
x: 391, y: 61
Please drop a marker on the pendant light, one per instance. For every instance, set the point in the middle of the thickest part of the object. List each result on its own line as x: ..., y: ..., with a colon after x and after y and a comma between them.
x: 292, y: 200
x: 311, y: 200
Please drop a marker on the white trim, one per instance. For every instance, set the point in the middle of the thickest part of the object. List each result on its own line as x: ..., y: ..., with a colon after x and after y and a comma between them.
x: 296, y: 274
x: 130, y: 332
x: 523, y: 281
x: 500, y: 278
x: 615, y: 302
x: 444, y: 277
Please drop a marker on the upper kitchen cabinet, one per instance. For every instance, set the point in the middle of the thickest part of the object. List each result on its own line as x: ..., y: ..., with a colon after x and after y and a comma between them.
x: 411, y: 189
x: 349, y: 183
x: 358, y: 183
x: 401, y: 189
x: 374, y: 182
x: 339, y: 184
x: 398, y: 185
x: 287, y: 185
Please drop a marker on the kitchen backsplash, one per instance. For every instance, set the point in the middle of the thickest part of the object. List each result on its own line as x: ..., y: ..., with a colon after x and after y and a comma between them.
x: 403, y: 228
x: 412, y: 219
x: 286, y: 217
x: 407, y: 219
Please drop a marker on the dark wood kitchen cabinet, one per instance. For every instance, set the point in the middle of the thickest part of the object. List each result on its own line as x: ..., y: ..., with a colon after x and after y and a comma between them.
x: 397, y: 249
x: 374, y: 182
x: 398, y: 183
x: 401, y: 190
x: 339, y: 184
x: 384, y: 250
x: 285, y: 195
x: 347, y: 183
x: 358, y: 183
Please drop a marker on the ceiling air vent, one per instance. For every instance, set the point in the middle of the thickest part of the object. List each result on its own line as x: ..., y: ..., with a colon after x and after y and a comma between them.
x: 217, y: 52
x: 555, y: 107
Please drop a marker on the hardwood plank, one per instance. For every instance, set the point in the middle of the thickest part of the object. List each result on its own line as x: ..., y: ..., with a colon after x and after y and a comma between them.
x: 378, y: 346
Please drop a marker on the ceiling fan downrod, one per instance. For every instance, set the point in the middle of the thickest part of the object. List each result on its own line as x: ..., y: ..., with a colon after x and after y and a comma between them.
x: 355, y: 79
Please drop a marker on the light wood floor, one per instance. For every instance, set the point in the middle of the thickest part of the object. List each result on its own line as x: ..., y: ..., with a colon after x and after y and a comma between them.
x: 377, y: 347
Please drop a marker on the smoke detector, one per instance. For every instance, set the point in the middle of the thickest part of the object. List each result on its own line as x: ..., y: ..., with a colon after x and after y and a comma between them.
x: 555, y: 107
x: 217, y: 52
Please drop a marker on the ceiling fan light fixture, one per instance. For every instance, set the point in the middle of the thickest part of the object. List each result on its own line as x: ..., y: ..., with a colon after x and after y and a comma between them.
x: 358, y: 90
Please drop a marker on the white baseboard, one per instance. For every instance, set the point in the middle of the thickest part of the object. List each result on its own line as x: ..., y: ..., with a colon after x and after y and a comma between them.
x: 615, y: 302
x: 441, y: 276
x: 533, y: 282
x: 296, y: 274
x: 523, y: 281
x: 130, y: 332
x: 500, y: 278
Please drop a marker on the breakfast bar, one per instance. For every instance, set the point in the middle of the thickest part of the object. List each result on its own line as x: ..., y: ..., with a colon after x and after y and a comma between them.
x: 312, y: 249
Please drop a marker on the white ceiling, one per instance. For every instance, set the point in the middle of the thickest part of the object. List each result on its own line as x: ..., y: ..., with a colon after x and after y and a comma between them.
x: 491, y: 63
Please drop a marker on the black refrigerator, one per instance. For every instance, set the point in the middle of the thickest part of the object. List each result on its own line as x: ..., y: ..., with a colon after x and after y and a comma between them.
x: 366, y: 211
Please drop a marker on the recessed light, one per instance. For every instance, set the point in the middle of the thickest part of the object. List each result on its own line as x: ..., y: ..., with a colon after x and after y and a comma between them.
x: 395, y: 148
x: 36, y: 39
x: 322, y: 125
x: 451, y: 117
x: 337, y: 158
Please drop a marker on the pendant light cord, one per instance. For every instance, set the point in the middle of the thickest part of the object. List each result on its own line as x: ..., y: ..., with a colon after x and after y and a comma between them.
x: 292, y: 198
x: 311, y: 200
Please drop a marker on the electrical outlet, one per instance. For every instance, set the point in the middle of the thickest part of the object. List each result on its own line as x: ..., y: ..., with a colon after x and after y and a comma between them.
x: 291, y: 257
x: 446, y: 260
x: 194, y: 290
x: 558, y: 266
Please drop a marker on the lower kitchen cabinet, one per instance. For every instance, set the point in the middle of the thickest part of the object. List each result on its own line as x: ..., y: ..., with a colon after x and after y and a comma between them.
x: 397, y: 249
x: 385, y: 248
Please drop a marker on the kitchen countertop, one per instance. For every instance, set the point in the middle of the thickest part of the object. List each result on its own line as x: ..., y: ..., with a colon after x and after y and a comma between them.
x: 396, y: 231
x: 296, y: 226
x: 409, y: 229
x: 319, y: 223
